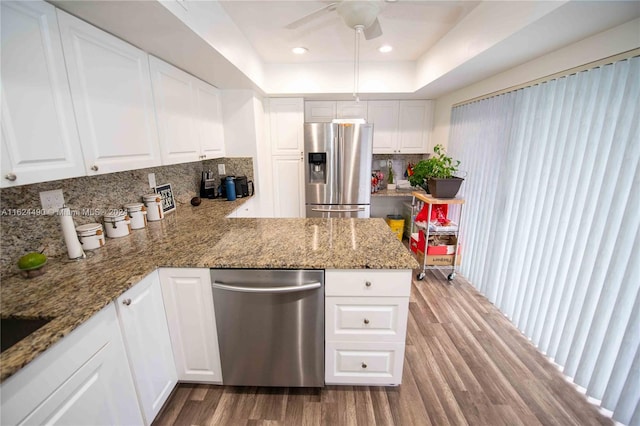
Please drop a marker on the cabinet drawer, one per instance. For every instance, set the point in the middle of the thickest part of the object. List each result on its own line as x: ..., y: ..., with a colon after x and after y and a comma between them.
x: 366, y: 319
x: 364, y: 363
x: 366, y: 282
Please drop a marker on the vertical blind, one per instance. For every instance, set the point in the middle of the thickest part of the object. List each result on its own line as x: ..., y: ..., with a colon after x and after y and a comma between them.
x: 552, y: 219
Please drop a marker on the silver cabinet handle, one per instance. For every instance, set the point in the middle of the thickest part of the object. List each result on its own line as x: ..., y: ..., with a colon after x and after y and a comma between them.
x: 368, y: 283
x: 366, y: 321
x: 94, y: 168
x: 11, y: 177
x: 359, y: 209
x: 245, y: 289
x: 126, y: 302
x: 364, y: 365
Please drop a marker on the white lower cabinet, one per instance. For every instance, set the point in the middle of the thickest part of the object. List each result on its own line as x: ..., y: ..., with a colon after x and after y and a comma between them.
x: 146, y: 336
x: 84, y: 379
x: 188, y: 303
x: 365, y: 326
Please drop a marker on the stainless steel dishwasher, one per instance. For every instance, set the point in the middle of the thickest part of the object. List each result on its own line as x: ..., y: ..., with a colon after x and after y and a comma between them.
x: 270, y: 326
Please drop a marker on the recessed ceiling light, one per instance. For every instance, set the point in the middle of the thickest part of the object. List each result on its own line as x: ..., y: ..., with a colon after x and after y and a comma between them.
x: 385, y: 48
x: 299, y: 50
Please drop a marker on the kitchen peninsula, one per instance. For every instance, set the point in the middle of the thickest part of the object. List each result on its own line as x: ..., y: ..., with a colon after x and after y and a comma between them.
x: 70, y: 293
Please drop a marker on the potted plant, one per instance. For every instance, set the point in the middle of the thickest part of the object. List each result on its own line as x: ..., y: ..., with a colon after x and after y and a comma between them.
x: 436, y: 174
x: 390, y: 184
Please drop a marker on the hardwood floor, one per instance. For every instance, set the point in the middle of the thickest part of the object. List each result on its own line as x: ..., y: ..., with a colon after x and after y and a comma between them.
x: 465, y: 363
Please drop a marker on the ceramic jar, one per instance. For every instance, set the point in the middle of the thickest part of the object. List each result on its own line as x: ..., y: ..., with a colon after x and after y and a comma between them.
x: 153, y: 202
x: 138, y: 215
x: 117, y: 224
x: 91, y: 236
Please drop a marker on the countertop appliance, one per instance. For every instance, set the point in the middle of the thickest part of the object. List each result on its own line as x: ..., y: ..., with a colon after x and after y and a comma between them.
x: 338, y: 159
x: 270, y: 326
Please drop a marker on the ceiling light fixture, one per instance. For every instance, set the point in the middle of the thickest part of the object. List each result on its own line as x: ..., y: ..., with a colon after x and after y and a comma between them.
x: 299, y: 50
x: 385, y: 48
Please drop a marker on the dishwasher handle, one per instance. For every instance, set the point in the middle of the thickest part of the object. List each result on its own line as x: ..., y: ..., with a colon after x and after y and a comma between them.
x: 288, y: 289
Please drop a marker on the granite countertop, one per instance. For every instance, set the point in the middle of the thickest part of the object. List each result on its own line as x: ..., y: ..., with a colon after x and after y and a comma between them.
x: 70, y: 292
x: 396, y: 192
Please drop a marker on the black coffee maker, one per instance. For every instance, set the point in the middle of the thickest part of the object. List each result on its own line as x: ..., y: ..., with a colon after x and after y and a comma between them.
x: 244, y: 187
x: 208, y: 185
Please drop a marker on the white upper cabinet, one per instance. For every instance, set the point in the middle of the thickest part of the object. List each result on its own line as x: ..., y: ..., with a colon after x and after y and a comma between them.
x: 209, y: 120
x: 415, y: 125
x: 39, y: 137
x: 384, y: 116
x: 189, y: 115
x: 319, y: 111
x: 173, y: 93
x: 111, y: 90
x: 146, y: 335
x: 351, y: 109
x: 287, y: 126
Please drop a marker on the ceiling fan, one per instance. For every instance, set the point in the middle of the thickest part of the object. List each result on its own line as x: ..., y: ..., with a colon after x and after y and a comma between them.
x: 355, y: 14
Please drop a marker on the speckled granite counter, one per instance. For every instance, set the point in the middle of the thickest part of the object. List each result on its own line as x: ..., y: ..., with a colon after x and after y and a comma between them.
x: 71, y: 292
x: 395, y: 192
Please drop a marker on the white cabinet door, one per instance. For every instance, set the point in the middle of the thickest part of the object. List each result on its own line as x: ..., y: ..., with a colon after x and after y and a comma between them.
x: 288, y: 186
x: 188, y: 302
x: 111, y: 91
x: 39, y: 136
x: 351, y: 109
x: 287, y: 126
x: 146, y: 336
x: 173, y: 93
x: 416, y: 120
x: 319, y: 111
x: 84, y: 379
x: 384, y: 116
x: 209, y: 120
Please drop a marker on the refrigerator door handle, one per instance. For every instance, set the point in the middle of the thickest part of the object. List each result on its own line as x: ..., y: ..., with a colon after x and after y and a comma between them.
x: 359, y: 209
x: 336, y: 144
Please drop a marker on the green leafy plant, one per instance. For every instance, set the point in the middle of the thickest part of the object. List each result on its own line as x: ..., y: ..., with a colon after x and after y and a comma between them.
x: 439, y: 165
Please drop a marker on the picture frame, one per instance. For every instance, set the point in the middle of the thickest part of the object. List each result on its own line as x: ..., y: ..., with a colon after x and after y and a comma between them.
x: 168, y: 200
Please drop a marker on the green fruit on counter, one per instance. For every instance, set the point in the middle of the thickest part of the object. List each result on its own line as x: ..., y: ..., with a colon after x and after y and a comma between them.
x: 32, y: 261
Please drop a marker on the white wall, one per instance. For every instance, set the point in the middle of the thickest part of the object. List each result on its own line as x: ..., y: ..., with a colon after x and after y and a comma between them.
x: 611, y: 42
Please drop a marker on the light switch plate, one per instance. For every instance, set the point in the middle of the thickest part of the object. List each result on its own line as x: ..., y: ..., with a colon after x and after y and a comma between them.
x: 152, y: 180
x: 52, y: 201
x: 221, y: 169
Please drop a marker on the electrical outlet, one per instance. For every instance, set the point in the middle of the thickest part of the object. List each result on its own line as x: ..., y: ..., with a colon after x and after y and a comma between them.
x: 221, y: 169
x: 52, y: 201
x: 152, y: 180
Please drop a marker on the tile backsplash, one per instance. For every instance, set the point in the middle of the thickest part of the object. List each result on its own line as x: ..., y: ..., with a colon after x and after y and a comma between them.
x: 20, y: 234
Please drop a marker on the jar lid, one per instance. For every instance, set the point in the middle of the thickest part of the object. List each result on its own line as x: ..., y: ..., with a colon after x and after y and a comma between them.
x: 88, y: 229
x: 151, y: 197
x: 134, y: 207
x: 115, y: 216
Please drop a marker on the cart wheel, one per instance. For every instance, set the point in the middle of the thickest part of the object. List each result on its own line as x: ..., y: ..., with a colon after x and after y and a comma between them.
x: 451, y: 276
x: 421, y: 276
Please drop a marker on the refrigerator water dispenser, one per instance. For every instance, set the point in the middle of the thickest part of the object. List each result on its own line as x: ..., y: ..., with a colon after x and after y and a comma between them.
x: 317, y: 167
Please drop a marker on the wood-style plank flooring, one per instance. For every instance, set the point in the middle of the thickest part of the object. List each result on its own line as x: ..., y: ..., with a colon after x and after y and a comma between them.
x: 465, y: 363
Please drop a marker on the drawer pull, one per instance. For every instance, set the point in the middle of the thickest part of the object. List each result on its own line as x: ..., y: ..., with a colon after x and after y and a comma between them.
x: 366, y: 321
x: 364, y: 365
x: 126, y: 302
x: 368, y: 283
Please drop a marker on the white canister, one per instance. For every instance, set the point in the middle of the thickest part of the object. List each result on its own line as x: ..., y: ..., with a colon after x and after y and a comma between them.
x: 137, y: 214
x: 91, y: 236
x: 154, y: 207
x: 117, y: 224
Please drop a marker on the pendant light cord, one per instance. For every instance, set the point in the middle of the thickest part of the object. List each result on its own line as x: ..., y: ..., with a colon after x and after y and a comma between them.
x: 356, y: 63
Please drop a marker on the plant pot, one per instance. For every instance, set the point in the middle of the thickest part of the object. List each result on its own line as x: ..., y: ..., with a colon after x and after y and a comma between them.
x: 444, y: 188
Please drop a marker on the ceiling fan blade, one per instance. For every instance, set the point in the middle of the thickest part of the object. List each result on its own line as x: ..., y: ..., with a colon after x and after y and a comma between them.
x: 311, y: 16
x: 372, y: 31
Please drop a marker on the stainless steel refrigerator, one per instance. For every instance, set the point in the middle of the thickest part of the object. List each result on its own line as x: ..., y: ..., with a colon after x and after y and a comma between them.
x: 338, y: 169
